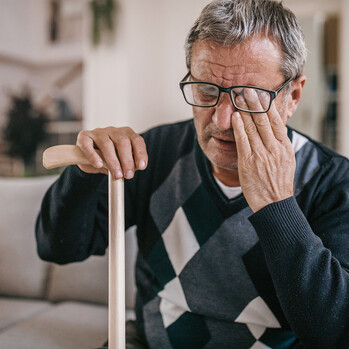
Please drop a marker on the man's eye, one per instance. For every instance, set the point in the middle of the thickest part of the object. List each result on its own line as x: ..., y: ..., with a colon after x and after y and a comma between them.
x: 208, y: 92
x: 206, y: 95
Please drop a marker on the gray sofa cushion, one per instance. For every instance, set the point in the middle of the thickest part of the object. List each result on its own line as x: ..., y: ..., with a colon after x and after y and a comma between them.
x: 88, y: 280
x: 22, y: 273
x: 63, y: 326
x: 83, y: 281
x: 14, y: 310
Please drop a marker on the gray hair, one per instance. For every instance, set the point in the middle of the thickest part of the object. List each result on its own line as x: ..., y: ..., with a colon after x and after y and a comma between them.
x: 230, y: 22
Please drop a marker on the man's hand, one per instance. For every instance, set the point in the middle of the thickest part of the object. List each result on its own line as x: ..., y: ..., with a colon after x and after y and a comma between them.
x: 122, y: 149
x: 266, y: 159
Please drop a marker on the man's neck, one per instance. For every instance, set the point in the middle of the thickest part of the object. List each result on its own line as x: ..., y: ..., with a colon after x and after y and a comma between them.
x: 228, y: 177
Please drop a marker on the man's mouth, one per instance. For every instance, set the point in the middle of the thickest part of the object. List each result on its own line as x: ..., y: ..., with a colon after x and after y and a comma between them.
x: 224, y: 143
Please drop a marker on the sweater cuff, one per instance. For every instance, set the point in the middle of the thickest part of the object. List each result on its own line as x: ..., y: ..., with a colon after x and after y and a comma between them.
x: 76, y: 173
x: 280, y: 225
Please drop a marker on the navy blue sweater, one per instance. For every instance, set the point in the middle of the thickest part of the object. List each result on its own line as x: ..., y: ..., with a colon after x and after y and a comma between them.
x: 209, y: 272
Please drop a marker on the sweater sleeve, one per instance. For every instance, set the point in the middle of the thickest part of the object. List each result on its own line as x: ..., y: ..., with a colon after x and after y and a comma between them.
x: 72, y: 223
x: 308, y: 260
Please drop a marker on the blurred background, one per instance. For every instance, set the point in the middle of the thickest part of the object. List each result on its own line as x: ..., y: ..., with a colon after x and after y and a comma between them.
x: 67, y: 65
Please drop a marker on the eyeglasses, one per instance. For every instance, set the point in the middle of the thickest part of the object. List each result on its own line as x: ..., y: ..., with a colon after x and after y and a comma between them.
x: 206, y: 94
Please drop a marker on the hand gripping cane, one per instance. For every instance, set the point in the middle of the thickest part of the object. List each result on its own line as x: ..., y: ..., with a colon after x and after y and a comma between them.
x: 63, y: 155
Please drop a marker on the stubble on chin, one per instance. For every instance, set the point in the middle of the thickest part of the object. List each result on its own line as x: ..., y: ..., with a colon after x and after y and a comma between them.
x: 217, y: 157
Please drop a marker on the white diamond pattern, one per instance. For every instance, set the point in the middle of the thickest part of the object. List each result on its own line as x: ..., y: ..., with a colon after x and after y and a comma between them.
x: 256, y: 330
x: 257, y: 312
x: 259, y: 345
x: 180, y: 241
x: 173, y: 303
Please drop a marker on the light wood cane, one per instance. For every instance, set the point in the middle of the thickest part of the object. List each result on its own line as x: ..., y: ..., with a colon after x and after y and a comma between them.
x: 63, y: 155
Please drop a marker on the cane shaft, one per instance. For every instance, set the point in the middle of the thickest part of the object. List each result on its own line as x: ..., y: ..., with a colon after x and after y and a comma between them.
x: 64, y: 155
x: 116, y: 264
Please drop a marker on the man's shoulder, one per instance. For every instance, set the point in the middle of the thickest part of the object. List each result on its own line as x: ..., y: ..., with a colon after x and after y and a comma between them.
x: 305, y: 146
x: 315, y: 160
x: 179, y: 135
x: 172, y: 129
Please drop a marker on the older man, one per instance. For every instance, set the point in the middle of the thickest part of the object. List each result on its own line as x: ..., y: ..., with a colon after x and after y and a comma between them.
x: 242, y: 223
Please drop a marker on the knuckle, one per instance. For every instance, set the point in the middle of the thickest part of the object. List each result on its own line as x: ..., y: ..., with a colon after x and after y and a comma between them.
x: 111, y: 130
x: 140, y: 152
x: 125, y: 130
x: 83, y: 134
x: 128, y: 164
x: 277, y: 123
x: 244, y: 140
x: 251, y: 129
x: 97, y: 131
x: 128, y: 129
x: 102, y: 140
x: 85, y: 148
x: 139, y: 142
x: 261, y: 120
x: 123, y: 141
x: 137, y: 138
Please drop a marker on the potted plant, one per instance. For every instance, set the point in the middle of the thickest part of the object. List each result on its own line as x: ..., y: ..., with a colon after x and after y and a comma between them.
x: 24, y: 130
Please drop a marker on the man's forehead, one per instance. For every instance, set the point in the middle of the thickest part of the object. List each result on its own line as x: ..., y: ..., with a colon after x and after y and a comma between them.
x: 250, y: 57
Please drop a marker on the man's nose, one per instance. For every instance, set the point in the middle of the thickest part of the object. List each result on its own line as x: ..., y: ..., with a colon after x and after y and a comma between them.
x: 223, y: 112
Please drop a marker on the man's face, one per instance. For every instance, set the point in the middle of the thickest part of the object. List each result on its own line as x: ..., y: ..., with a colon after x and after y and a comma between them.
x: 256, y: 62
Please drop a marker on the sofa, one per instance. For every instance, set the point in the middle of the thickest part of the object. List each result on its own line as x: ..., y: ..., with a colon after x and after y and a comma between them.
x: 44, y: 305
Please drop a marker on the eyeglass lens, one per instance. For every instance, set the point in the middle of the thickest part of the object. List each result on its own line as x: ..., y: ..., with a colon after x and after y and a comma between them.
x: 246, y: 98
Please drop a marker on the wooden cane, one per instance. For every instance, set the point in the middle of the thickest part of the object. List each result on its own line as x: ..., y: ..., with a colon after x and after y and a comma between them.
x: 63, y: 155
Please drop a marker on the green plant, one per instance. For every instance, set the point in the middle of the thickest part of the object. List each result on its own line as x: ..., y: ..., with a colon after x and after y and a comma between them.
x: 25, y: 128
x: 102, y: 17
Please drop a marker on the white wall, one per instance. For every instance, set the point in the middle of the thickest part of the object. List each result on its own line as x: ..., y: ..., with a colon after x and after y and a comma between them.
x: 343, y: 122
x: 21, y: 27
x: 312, y: 108
x: 24, y: 34
x: 135, y: 81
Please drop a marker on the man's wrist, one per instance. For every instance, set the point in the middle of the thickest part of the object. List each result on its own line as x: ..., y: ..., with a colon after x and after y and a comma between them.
x: 279, y: 225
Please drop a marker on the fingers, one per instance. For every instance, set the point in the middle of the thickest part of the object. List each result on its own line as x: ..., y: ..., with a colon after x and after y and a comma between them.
x: 86, y: 144
x: 277, y: 124
x: 122, y: 149
x: 242, y: 141
x: 139, y: 152
x: 251, y: 130
x: 269, y: 126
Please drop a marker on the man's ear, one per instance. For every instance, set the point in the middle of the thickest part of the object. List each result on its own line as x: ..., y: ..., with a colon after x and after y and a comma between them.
x: 295, y: 95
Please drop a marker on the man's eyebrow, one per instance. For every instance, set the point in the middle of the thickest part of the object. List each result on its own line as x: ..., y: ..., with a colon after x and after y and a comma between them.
x: 197, y: 80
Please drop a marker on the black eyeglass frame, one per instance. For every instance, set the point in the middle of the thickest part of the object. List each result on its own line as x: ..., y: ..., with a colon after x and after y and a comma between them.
x: 273, y: 94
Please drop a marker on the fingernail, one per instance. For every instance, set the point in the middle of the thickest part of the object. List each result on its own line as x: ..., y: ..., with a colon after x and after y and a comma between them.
x: 99, y: 163
x: 129, y: 174
x: 118, y: 174
x: 236, y: 115
x: 141, y: 164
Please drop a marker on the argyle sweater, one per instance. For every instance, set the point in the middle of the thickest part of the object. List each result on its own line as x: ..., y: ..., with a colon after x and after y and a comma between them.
x: 209, y: 272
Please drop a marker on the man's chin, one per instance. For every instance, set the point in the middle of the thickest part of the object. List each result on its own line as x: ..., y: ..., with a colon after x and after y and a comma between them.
x: 230, y: 164
x: 224, y: 159
x: 229, y: 167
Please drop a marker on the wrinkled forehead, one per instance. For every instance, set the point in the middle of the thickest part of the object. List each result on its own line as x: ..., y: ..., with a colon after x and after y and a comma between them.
x: 258, y: 57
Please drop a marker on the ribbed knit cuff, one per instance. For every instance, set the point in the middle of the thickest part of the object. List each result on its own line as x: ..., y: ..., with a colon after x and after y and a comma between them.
x: 280, y: 225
